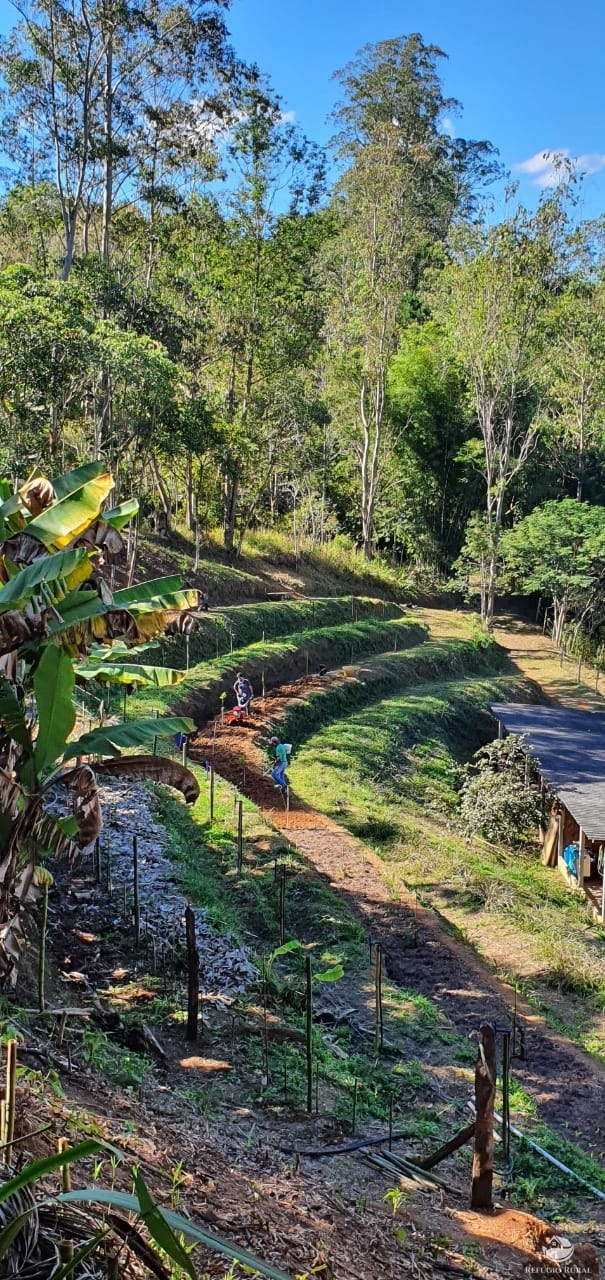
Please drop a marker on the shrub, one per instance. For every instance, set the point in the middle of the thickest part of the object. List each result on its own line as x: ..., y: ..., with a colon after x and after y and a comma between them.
x: 496, y: 800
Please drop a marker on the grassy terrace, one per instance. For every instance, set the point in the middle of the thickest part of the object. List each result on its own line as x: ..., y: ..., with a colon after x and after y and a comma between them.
x: 280, y: 660
x: 241, y: 625
x: 390, y: 774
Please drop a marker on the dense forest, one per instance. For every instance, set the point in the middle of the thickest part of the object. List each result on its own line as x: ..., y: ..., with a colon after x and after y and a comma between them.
x: 251, y: 332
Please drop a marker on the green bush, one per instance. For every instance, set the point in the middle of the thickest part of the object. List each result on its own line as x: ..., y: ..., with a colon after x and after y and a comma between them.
x: 496, y: 800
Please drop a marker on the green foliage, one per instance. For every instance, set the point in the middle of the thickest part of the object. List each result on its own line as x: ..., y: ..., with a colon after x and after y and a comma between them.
x: 496, y: 800
x: 559, y: 551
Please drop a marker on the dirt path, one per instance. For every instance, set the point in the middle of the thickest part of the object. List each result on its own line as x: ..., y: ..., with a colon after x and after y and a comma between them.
x: 567, y: 1084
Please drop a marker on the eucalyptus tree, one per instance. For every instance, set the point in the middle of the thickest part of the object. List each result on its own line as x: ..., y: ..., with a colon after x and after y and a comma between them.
x: 574, y: 375
x: 491, y: 298
x: 81, y: 80
x: 262, y: 313
x: 403, y: 180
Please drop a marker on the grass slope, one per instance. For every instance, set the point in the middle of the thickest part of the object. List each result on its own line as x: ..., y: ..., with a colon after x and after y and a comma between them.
x: 241, y: 625
x: 390, y: 774
x: 268, y: 563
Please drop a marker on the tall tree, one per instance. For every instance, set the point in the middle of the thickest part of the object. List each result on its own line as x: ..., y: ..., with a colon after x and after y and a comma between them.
x: 574, y: 375
x: 81, y: 79
x: 404, y: 179
x: 263, y: 313
x: 491, y: 299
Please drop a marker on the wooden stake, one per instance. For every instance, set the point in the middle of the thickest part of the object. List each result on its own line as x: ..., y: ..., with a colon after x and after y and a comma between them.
x: 10, y: 1097
x: 240, y: 835
x: 42, y: 951
x: 193, y: 975
x: 63, y: 1145
x: 282, y: 905
x: 485, y: 1095
x: 309, y: 1033
x: 154, y: 749
x: 135, y: 880
x: 184, y: 754
x: 378, y: 996
x: 211, y: 792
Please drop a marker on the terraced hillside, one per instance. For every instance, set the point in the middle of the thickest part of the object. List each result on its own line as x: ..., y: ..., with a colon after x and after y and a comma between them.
x: 370, y: 851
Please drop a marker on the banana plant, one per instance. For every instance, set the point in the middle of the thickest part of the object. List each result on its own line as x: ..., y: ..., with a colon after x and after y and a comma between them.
x: 62, y: 621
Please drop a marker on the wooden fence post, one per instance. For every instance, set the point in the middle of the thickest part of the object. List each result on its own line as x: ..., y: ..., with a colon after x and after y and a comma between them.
x: 485, y: 1095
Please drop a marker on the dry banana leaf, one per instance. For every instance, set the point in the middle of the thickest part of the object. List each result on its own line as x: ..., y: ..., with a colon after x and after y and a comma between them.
x: 156, y: 769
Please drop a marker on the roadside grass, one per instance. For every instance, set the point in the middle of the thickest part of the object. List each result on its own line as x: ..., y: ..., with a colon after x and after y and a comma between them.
x: 390, y: 774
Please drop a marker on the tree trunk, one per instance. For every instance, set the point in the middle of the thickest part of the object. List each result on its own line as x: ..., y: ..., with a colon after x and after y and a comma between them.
x: 191, y: 514
x: 163, y: 490
x: 54, y: 433
x: 108, y: 147
x: 70, y: 223
x: 230, y: 495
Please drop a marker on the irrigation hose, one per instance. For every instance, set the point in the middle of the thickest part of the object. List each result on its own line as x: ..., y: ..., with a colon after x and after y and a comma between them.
x: 558, y: 1164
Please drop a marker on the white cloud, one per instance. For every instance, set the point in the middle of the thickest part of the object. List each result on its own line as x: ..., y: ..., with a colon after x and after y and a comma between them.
x: 549, y: 168
x: 288, y: 117
x: 448, y: 125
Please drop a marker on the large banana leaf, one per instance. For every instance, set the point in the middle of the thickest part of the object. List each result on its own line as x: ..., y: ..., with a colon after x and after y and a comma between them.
x: 130, y: 1204
x: 77, y: 606
x: 71, y: 516
x: 143, y: 591
x: 70, y: 481
x: 120, y: 516
x: 135, y: 733
x: 114, y: 673
x: 175, y: 601
x: 114, y: 652
x: 46, y: 569
x: 54, y: 683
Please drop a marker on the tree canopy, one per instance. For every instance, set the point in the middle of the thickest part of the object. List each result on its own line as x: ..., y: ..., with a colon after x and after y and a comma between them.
x: 249, y: 336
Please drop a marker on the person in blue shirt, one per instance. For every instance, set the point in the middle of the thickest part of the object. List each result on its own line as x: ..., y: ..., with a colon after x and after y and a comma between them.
x: 278, y: 772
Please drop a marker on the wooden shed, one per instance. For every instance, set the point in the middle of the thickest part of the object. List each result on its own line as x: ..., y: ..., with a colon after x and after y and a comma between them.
x: 568, y: 747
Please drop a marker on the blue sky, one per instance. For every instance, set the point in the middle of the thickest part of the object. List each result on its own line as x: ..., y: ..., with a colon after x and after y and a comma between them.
x: 528, y: 72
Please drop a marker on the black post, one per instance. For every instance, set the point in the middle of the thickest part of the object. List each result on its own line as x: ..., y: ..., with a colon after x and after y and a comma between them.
x: 240, y: 835
x: 309, y: 1034
x: 136, y: 905
x: 193, y: 975
x: 378, y: 994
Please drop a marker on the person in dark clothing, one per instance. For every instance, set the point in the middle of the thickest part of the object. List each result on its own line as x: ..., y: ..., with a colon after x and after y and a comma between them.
x: 244, y: 692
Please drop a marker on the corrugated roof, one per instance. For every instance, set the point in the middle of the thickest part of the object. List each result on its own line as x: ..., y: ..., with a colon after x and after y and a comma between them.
x: 570, y: 748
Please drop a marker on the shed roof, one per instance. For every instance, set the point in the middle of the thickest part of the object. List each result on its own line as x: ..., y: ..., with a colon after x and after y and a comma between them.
x: 570, y: 748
